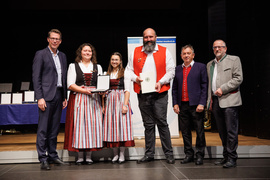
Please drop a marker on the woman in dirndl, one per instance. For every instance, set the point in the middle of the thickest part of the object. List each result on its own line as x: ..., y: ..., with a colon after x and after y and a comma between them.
x: 117, y: 125
x: 83, y: 131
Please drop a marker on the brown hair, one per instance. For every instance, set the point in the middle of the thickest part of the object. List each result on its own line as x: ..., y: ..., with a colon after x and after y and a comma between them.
x: 121, y: 69
x: 79, y: 53
x: 54, y: 31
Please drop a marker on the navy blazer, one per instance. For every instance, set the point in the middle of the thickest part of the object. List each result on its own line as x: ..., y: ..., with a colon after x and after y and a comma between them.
x: 197, y: 84
x: 44, y: 74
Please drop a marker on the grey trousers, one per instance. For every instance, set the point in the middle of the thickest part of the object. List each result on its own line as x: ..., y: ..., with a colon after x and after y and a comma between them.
x: 153, y: 107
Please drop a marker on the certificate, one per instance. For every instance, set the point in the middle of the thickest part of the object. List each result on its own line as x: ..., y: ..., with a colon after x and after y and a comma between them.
x: 5, y: 98
x: 17, y: 98
x: 103, y: 83
x: 29, y: 96
x: 148, y: 83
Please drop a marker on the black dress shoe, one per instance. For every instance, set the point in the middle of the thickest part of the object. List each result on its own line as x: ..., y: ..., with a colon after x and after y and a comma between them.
x: 45, y: 165
x: 230, y: 164
x: 145, y: 159
x: 59, y: 162
x: 199, y: 161
x: 170, y: 159
x: 221, y: 162
x: 187, y: 160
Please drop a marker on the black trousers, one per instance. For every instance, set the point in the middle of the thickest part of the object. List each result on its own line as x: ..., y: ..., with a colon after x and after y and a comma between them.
x: 227, y: 125
x: 48, y: 128
x: 153, y: 107
x: 188, y: 117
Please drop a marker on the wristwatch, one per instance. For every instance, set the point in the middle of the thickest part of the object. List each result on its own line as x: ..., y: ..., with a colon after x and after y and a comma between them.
x: 125, y: 105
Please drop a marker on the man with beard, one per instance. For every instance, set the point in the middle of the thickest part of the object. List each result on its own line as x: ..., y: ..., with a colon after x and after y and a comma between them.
x: 153, y: 106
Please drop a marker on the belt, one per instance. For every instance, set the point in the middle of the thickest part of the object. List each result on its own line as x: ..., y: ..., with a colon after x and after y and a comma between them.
x: 234, y: 91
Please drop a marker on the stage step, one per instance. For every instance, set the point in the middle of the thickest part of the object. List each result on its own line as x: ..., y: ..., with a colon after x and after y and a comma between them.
x: 134, y: 153
x: 21, y: 148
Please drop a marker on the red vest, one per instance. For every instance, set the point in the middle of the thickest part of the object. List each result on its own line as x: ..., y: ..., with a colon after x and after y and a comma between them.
x: 184, y: 85
x: 160, y: 62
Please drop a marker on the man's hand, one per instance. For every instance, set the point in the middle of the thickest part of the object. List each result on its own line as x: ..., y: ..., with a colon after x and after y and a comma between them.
x: 176, y: 109
x: 158, y: 86
x: 218, y: 92
x: 200, y: 108
x: 138, y: 80
x: 64, y: 103
x: 42, y: 104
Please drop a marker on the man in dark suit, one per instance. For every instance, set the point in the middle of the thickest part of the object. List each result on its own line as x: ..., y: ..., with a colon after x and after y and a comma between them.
x: 189, y: 94
x: 50, y: 86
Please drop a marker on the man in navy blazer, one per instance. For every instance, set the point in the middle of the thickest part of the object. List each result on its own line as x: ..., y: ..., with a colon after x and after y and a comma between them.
x: 50, y: 86
x: 189, y: 93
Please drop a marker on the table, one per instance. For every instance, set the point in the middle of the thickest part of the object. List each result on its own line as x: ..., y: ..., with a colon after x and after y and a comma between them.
x: 22, y: 114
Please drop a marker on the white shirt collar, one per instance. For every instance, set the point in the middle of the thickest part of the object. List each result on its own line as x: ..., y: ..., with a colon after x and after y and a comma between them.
x: 191, y: 64
x: 52, y: 52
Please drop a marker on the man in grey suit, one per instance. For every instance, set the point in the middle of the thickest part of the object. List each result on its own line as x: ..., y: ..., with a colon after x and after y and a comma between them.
x: 50, y: 86
x: 225, y: 76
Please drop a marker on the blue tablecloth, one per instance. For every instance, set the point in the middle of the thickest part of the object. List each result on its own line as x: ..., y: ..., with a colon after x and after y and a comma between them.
x: 20, y: 114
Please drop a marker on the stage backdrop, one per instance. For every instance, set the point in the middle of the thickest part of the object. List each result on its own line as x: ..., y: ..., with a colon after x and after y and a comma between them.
x: 172, y: 118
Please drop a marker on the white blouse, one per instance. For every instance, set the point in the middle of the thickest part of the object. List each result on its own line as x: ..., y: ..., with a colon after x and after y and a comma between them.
x: 71, y: 74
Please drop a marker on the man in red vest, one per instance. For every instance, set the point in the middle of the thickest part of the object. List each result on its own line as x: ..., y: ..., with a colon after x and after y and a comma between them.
x: 153, y: 106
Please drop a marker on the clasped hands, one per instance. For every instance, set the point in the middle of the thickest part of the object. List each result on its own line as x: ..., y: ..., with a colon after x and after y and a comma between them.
x: 176, y: 108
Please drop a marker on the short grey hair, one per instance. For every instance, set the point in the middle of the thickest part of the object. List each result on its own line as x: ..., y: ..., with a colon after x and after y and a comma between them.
x: 187, y: 46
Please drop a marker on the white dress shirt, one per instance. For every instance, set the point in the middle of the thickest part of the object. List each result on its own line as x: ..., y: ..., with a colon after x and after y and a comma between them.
x: 150, y: 66
x: 214, y: 78
x: 58, y: 67
x: 71, y: 74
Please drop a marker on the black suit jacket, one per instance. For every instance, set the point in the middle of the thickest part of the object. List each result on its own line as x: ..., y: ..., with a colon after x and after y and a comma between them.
x: 44, y: 74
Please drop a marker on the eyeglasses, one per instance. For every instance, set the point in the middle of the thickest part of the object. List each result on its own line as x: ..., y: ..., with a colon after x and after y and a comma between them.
x: 218, y: 47
x: 54, y: 39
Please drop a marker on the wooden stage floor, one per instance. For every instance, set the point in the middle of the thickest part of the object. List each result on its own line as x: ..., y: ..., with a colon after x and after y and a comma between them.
x: 26, y: 142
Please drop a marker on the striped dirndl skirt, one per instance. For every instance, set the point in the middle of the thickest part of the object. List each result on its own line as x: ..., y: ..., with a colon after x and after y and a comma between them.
x: 117, y: 126
x: 87, y: 121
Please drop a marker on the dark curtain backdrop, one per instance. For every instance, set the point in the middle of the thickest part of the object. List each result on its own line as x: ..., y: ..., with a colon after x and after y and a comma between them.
x: 107, y: 24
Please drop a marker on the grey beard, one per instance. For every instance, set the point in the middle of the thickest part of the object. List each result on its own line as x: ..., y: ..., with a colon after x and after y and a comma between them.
x: 149, y: 48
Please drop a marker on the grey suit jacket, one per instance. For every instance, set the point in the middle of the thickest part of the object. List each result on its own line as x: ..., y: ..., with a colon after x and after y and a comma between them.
x: 229, y: 79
